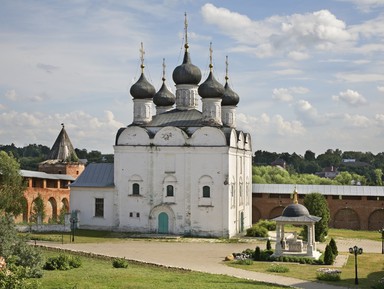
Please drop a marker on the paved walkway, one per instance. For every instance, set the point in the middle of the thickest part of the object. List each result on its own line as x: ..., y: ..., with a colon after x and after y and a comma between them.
x: 201, y: 256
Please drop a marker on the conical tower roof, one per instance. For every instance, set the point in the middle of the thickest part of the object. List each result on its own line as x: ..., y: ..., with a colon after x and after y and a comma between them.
x: 62, y: 149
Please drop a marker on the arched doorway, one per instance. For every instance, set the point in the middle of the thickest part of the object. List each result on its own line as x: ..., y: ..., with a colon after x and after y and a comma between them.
x: 52, y: 210
x: 275, y: 212
x: 346, y: 219
x: 163, y: 223
x: 376, y: 220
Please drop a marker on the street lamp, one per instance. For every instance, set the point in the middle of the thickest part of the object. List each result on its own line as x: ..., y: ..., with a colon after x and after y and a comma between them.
x: 356, y: 251
x: 382, y: 240
x: 73, y: 221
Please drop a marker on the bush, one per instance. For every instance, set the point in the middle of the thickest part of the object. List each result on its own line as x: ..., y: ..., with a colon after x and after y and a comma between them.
x: 14, y: 277
x: 277, y: 268
x: 257, y: 254
x: 269, y: 225
x: 244, y: 262
x: 327, y: 274
x: 379, y: 284
x: 328, y: 256
x: 268, y: 246
x: 119, y: 263
x: 333, y: 246
x: 257, y: 231
x: 62, y: 262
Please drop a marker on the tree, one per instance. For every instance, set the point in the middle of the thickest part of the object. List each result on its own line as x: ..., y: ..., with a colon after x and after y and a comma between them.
x: 309, y: 156
x: 12, y: 185
x: 333, y: 246
x: 38, y: 209
x: 328, y: 256
x: 22, y: 260
x: 317, y: 206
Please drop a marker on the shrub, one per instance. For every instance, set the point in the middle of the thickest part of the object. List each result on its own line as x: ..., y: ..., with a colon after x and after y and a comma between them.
x: 277, y: 268
x: 248, y: 252
x: 119, y: 263
x: 268, y: 246
x: 269, y: 225
x: 14, y: 277
x: 62, y: 262
x: 379, y: 284
x: 257, y: 254
x: 333, y: 246
x: 327, y: 274
x: 244, y: 262
x: 257, y: 231
x: 328, y: 256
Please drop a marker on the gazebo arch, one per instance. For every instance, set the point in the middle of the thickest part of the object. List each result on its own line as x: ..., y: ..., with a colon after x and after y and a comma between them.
x: 295, y: 214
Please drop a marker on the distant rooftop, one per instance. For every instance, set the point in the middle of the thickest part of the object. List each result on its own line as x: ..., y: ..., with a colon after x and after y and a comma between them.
x: 41, y: 175
x: 322, y: 189
x: 96, y: 175
x: 62, y: 149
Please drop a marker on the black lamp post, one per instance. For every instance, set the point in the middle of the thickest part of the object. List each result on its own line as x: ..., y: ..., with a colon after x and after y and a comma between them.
x: 382, y: 240
x: 356, y: 251
x: 73, y: 221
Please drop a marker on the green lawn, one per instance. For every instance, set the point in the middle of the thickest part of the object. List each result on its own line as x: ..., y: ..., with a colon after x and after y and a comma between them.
x: 98, y: 273
x: 370, y: 270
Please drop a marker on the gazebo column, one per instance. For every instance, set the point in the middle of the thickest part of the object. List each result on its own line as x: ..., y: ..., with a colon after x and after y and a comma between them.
x: 282, y: 237
x: 278, y: 250
x: 310, y: 240
x: 313, y: 237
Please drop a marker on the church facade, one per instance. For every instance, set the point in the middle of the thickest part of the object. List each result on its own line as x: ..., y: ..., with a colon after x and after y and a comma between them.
x: 177, y: 170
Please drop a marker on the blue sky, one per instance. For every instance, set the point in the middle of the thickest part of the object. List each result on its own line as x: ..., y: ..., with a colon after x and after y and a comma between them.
x: 309, y: 74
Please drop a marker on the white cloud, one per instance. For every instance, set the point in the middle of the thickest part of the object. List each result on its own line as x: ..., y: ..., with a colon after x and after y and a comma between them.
x: 292, y: 35
x: 366, y: 5
x: 360, y: 77
x: 85, y: 130
x: 2, y: 106
x: 309, y: 114
x: 357, y: 120
x: 350, y: 97
x: 286, y: 94
x: 380, y: 88
x: 380, y: 119
x: 288, y: 72
x: 286, y: 127
x: 11, y: 95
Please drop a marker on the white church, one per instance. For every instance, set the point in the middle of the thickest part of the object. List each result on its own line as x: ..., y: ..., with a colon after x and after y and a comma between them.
x: 177, y: 170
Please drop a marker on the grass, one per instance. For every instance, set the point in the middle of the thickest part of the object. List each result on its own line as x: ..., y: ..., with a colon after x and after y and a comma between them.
x: 370, y: 270
x: 353, y: 234
x: 342, y: 233
x: 98, y: 273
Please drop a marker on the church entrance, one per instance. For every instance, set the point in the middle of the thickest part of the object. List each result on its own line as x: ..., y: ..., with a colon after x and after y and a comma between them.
x: 163, y: 223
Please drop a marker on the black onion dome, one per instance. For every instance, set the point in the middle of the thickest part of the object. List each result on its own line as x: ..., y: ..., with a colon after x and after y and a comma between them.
x: 164, y: 97
x: 211, y: 88
x: 230, y: 97
x: 186, y: 73
x: 142, y: 89
x: 295, y: 210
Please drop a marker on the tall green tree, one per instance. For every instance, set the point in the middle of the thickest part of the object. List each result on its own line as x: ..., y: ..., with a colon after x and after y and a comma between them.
x: 317, y: 206
x: 38, y: 209
x: 12, y: 185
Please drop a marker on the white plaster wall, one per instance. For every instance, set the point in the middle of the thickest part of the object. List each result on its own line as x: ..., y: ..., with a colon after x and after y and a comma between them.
x: 185, y: 165
x: 83, y: 201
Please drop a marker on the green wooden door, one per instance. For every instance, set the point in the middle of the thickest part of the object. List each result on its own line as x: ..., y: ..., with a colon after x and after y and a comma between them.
x: 163, y: 223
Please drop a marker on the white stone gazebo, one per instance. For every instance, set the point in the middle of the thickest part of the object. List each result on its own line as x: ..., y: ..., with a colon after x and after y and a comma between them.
x: 296, y: 214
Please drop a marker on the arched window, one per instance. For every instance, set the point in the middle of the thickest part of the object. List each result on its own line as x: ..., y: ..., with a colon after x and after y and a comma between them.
x: 170, y: 191
x: 206, y: 192
x: 135, y: 189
